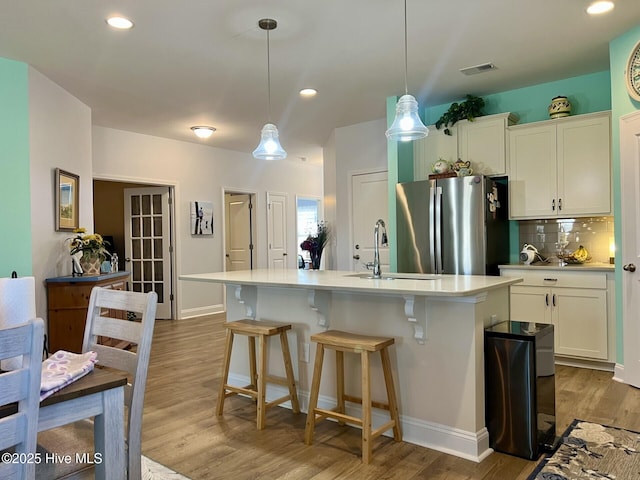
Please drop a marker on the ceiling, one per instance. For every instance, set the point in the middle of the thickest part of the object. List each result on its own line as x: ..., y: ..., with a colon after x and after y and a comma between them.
x: 204, y: 62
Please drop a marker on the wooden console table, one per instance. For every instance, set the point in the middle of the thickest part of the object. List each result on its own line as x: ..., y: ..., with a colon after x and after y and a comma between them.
x: 67, y: 303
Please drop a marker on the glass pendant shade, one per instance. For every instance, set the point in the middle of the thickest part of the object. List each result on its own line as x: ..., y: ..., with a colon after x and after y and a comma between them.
x: 407, y: 124
x: 269, y: 147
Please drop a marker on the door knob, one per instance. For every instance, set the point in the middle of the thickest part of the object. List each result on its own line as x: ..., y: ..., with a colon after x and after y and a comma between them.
x: 629, y: 268
x: 356, y: 257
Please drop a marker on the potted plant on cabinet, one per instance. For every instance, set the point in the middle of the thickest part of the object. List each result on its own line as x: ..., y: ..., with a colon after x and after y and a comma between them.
x: 467, y: 110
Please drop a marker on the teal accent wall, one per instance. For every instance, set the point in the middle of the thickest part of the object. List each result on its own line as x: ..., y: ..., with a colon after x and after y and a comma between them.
x: 621, y: 104
x: 393, y: 178
x: 400, y: 169
x: 587, y: 93
x: 15, y: 194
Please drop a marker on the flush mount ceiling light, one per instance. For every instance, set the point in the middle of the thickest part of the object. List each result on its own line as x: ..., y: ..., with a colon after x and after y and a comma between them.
x: 601, y: 6
x: 269, y: 147
x: 407, y: 124
x: 308, y: 92
x: 121, y: 23
x: 203, y: 131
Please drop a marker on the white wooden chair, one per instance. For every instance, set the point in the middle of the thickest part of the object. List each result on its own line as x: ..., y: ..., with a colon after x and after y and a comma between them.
x: 18, y: 431
x: 134, y: 361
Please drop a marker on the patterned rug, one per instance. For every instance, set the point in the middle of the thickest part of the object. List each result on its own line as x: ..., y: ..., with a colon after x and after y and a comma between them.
x: 154, y: 471
x: 592, y: 451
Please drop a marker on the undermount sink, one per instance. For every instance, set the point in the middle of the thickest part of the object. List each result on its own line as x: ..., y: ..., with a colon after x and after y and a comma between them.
x: 394, y: 276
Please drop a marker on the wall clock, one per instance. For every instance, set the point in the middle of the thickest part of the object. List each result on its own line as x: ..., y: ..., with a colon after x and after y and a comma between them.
x: 632, y: 74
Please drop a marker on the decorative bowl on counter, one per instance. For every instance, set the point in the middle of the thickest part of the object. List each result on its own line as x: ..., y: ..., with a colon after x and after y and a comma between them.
x: 570, y: 259
x: 579, y: 255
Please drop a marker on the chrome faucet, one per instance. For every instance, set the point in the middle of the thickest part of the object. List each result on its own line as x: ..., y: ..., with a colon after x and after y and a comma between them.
x: 377, y: 271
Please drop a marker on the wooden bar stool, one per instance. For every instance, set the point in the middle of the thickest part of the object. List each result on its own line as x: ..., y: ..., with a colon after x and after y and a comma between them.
x: 258, y: 388
x: 364, y: 345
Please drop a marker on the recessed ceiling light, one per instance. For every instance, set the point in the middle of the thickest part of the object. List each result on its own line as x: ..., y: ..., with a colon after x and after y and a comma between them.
x: 308, y: 92
x: 120, y: 23
x: 600, y: 6
x: 203, y: 131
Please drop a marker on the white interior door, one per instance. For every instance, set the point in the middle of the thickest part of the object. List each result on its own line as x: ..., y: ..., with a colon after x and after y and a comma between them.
x: 238, y: 231
x: 369, y: 200
x: 277, y: 230
x: 147, y: 243
x: 630, y: 256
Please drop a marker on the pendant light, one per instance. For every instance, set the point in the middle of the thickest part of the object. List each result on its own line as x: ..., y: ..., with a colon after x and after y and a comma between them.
x: 407, y: 124
x: 269, y: 147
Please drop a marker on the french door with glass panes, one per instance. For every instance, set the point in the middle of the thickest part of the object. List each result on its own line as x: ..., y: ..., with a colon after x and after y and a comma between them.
x: 147, y: 243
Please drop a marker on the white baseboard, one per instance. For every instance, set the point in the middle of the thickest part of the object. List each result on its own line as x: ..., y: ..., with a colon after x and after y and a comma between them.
x: 618, y: 373
x: 584, y: 363
x: 461, y: 443
x: 201, y: 311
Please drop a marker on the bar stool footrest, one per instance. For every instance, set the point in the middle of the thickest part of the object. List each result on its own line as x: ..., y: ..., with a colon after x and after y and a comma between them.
x: 243, y: 390
x: 337, y: 416
x: 277, y: 401
x: 358, y: 400
x: 379, y: 431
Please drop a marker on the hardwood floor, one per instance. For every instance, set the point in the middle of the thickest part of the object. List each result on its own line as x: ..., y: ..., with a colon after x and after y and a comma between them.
x: 182, y: 431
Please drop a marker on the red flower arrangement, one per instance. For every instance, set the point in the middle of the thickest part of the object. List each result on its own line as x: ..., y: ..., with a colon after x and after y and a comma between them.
x: 314, y: 244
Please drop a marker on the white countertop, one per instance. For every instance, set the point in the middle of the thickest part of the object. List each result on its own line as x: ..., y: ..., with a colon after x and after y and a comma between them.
x: 581, y: 267
x: 335, y: 280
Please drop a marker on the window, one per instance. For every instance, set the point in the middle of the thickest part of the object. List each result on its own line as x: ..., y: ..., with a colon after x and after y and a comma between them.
x: 308, y: 214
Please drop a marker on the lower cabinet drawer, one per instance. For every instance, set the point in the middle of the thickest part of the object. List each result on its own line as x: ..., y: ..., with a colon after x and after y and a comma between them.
x: 555, y: 278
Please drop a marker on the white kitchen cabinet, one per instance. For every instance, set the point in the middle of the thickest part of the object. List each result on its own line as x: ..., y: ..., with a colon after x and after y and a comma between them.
x: 482, y: 142
x: 576, y: 303
x: 432, y: 148
x: 561, y: 168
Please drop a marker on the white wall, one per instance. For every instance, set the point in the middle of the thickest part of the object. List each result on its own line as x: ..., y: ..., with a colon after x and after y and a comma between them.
x: 60, y: 136
x: 200, y: 173
x: 330, y: 206
x: 357, y: 148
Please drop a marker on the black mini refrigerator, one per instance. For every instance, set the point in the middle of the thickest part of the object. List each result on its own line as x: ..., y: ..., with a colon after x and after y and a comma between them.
x: 520, y: 388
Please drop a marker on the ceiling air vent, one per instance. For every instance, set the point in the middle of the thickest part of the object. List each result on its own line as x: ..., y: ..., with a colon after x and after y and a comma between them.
x: 485, y: 67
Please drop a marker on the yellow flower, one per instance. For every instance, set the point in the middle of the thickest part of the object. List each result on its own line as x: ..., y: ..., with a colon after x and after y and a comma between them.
x: 89, y: 244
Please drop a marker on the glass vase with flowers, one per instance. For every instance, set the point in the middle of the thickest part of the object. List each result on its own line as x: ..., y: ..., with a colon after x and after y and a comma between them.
x: 91, y: 248
x: 315, y: 243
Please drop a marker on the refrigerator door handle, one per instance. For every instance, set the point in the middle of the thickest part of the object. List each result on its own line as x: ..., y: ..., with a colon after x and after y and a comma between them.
x: 438, y: 230
x: 432, y: 235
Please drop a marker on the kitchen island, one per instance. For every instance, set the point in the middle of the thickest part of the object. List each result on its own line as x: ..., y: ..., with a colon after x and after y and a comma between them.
x: 437, y: 322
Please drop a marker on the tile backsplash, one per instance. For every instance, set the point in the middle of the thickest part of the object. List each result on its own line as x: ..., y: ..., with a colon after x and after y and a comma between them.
x: 594, y: 233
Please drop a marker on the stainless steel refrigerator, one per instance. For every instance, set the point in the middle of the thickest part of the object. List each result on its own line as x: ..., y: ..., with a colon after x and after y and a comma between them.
x: 453, y: 225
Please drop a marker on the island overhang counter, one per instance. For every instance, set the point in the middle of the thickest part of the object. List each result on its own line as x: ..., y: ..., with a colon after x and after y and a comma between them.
x: 437, y: 322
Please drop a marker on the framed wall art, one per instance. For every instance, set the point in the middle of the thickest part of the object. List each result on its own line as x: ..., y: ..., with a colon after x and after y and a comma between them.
x: 67, y: 193
x: 201, y: 218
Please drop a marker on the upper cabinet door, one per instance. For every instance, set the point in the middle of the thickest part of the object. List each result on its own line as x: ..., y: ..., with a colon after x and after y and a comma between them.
x: 584, y: 166
x: 483, y: 143
x: 532, y: 176
x: 561, y: 168
x: 435, y: 146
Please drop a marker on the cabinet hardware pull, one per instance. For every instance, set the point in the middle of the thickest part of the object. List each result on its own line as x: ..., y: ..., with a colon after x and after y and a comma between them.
x: 550, y: 279
x: 554, y: 299
x: 559, y: 204
x: 553, y: 204
x: 546, y: 299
